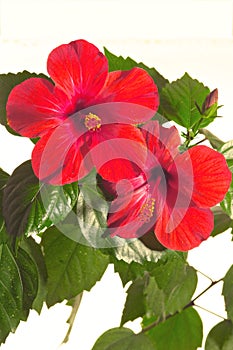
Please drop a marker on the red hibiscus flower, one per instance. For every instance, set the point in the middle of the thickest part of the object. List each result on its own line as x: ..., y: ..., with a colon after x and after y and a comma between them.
x: 172, y: 195
x: 84, y: 107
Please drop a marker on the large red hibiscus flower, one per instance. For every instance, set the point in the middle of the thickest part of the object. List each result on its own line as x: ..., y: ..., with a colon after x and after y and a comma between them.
x: 172, y: 195
x: 85, y: 106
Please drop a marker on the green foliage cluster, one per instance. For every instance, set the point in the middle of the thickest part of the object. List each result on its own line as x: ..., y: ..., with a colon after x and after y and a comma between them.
x: 40, y: 264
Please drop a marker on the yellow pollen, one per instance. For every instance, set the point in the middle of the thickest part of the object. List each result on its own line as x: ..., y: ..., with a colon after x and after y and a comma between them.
x: 92, y: 122
x: 147, y: 210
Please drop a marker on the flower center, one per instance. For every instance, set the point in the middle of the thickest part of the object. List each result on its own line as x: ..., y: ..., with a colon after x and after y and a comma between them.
x: 92, y: 122
x: 147, y: 210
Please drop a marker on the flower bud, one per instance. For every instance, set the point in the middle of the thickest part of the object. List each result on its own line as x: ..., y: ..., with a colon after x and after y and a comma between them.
x: 211, y: 99
x: 210, y: 104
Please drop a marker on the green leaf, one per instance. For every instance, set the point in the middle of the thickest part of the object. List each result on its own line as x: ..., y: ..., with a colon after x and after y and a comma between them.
x: 92, y: 210
x: 28, y: 272
x: 220, y: 337
x: 227, y: 203
x: 34, y: 262
x: 137, y: 252
x: 11, y: 293
x: 123, y: 339
x: 180, y: 332
x: 7, y: 82
x: 215, y: 142
x: 87, y: 223
x: 134, y: 305
x: 155, y: 304
x: 228, y: 292
x: 72, y: 267
x: 174, y: 284
x: 112, y: 336
x: 135, y: 264
x: 167, y: 287
x: 4, y: 237
x: 128, y: 272
x: 227, y: 150
x: 30, y: 206
x: 3, y: 180
x: 22, y: 284
x: 179, y: 102
x: 120, y: 63
x: 221, y: 221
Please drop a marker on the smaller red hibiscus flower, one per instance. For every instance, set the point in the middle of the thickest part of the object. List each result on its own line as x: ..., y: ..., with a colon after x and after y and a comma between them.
x: 84, y: 107
x: 173, y: 193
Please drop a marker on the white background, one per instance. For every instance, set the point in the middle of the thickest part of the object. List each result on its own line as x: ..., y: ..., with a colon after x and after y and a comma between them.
x: 174, y: 37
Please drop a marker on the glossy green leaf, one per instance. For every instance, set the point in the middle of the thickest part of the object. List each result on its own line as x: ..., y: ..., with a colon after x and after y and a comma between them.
x: 179, y: 102
x: 182, y: 331
x: 133, y: 259
x: 228, y: 292
x: 123, y: 339
x: 137, y: 252
x: 34, y: 273
x: 30, y: 206
x: 87, y: 223
x: 92, y: 211
x: 120, y: 63
x: 222, y: 221
x: 22, y: 284
x: 3, y: 180
x: 220, y: 337
x: 7, y: 82
x: 134, y: 305
x: 72, y: 267
x: 29, y: 278
x: 11, y: 293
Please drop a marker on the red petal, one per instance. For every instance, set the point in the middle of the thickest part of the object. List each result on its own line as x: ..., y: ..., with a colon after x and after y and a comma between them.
x: 162, y: 143
x: 124, y: 218
x: 137, y: 89
x: 33, y: 107
x: 211, y: 176
x: 58, y: 156
x: 118, y: 151
x: 118, y: 169
x: 79, y: 69
x: 182, y: 230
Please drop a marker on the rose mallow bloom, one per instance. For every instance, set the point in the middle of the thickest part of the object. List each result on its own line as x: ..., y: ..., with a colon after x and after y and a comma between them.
x: 172, y: 195
x: 84, y: 106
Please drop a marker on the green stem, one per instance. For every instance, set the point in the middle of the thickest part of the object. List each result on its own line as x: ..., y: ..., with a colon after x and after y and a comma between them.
x: 205, y: 290
x: 199, y: 142
x: 191, y: 303
x: 210, y: 312
x: 203, y: 274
